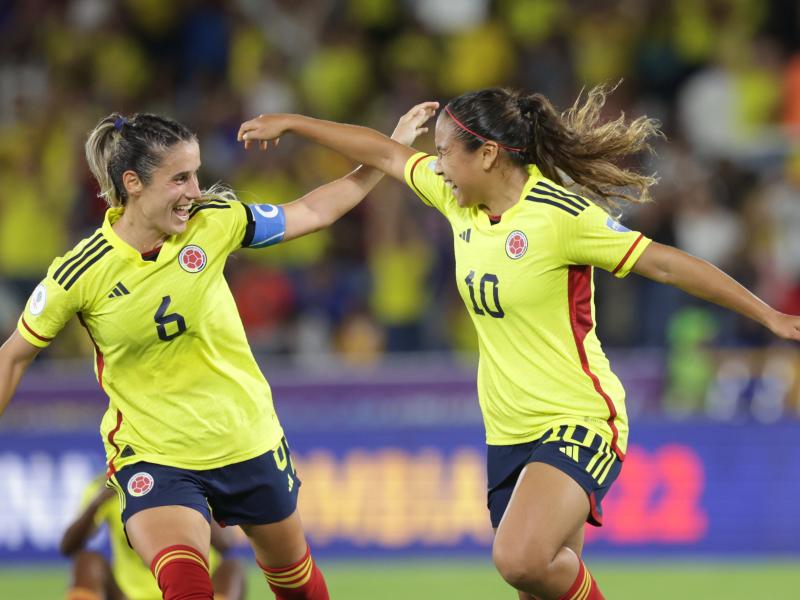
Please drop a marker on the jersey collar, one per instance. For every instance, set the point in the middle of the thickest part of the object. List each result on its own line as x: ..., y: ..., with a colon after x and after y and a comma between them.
x: 124, y: 248
x: 482, y: 219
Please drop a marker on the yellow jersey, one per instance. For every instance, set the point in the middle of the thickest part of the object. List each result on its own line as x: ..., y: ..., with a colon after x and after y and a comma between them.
x: 528, y: 287
x: 171, y: 352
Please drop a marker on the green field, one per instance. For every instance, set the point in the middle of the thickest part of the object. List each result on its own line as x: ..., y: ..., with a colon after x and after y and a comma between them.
x: 476, y: 580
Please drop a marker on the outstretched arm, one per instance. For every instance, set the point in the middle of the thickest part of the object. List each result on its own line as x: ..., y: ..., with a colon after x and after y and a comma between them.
x: 15, y: 356
x: 360, y: 144
x: 702, y: 279
x: 82, y: 528
x: 324, y: 205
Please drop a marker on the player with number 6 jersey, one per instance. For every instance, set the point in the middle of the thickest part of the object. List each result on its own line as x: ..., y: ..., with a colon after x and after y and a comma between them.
x: 191, y: 432
x: 166, y: 334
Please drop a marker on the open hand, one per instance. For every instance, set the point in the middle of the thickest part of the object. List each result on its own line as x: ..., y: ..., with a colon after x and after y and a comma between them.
x: 263, y: 130
x: 410, y: 125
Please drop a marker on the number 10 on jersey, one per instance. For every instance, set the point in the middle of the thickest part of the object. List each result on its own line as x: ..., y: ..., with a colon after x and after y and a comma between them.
x: 487, y: 280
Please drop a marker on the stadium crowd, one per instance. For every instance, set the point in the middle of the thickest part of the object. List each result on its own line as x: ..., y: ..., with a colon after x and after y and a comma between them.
x: 723, y: 76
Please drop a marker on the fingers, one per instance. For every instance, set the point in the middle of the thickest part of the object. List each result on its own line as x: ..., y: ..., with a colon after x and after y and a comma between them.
x: 244, y: 128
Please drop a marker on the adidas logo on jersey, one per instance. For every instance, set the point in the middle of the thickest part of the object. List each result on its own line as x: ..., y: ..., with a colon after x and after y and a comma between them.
x: 571, y: 451
x: 464, y: 235
x: 119, y: 290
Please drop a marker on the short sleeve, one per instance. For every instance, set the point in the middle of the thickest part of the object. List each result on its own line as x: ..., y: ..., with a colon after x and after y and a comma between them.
x: 48, y: 309
x: 430, y: 187
x: 228, y: 218
x: 592, y: 237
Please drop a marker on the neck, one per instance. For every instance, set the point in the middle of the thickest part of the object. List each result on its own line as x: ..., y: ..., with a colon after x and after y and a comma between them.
x: 506, y: 192
x: 133, y: 230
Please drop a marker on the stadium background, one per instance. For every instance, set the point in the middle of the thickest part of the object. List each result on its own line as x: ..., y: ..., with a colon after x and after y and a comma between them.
x: 359, y: 327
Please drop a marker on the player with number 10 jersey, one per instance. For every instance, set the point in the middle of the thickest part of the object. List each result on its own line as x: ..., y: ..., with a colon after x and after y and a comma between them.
x: 527, y: 283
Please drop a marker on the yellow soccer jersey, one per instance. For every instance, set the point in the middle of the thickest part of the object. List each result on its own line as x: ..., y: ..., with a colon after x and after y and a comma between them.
x: 132, y: 576
x: 171, y: 353
x: 527, y: 285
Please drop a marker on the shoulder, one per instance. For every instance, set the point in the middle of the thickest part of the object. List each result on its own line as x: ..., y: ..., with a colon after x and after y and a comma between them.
x: 68, y: 269
x: 430, y: 186
x: 555, y: 198
x: 214, y: 209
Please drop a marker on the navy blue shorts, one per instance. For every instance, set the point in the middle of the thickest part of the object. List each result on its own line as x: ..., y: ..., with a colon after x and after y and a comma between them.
x: 253, y: 492
x: 581, y: 454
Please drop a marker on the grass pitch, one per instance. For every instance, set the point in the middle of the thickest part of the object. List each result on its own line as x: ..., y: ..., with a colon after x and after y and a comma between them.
x: 477, y: 580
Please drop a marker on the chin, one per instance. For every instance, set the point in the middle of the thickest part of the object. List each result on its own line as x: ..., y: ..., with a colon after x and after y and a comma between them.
x: 175, y: 228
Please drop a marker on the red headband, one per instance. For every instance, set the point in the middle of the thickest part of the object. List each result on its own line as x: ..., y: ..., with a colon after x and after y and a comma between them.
x: 478, y: 135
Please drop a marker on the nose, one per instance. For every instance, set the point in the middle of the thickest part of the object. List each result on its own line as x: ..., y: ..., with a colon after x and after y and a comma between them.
x: 193, y: 189
x: 437, y: 168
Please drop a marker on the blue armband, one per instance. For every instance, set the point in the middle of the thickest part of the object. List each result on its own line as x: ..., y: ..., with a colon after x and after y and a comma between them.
x: 266, y: 225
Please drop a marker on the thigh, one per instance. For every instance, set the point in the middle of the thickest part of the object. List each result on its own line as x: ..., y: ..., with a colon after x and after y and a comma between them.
x: 547, y: 511
x: 278, y: 544
x: 150, y: 531
x: 162, y: 506
x: 582, y: 455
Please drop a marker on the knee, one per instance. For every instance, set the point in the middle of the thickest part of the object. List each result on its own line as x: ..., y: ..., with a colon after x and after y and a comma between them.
x: 521, y: 568
x: 89, y: 570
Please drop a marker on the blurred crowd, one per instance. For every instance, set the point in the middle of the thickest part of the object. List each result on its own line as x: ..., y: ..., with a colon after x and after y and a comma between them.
x: 723, y: 76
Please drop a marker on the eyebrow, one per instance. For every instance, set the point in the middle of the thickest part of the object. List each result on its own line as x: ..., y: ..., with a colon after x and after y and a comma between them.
x: 181, y: 173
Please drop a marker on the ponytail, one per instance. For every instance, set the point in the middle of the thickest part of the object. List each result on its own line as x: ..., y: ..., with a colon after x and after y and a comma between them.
x: 100, y: 148
x: 572, y: 148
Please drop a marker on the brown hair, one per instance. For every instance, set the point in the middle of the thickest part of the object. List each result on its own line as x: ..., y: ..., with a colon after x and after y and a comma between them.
x: 573, y: 143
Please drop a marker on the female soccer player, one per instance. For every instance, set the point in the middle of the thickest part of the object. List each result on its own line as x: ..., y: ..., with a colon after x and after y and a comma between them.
x: 190, y: 431
x: 522, y: 187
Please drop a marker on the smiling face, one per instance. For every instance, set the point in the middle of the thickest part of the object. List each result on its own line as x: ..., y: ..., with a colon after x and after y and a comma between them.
x: 165, y: 200
x: 461, y: 169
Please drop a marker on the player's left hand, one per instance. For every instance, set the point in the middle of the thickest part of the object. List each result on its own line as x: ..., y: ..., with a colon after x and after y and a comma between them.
x: 263, y: 130
x: 410, y: 125
x: 785, y: 326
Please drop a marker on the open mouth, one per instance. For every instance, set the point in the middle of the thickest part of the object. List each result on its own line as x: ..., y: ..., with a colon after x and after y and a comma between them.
x: 182, y: 211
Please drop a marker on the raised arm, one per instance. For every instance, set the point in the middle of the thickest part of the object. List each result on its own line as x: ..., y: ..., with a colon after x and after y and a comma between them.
x: 15, y: 356
x: 82, y: 528
x: 324, y: 205
x: 360, y: 144
x: 702, y: 279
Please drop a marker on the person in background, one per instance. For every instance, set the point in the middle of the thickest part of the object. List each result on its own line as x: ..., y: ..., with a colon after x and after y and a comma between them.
x: 190, y: 432
x: 125, y: 576
x: 529, y: 194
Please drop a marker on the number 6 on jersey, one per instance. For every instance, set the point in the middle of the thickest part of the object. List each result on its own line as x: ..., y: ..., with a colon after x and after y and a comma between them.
x: 164, y: 319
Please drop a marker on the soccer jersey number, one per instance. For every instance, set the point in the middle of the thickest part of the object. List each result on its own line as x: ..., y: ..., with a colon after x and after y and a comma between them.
x: 164, y: 320
x: 487, y: 279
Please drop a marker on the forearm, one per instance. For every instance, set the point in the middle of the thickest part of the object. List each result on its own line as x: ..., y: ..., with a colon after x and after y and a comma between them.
x: 76, y: 535
x: 11, y: 371
x: 325, y: 204
x: 360, y: 144
x: 334, y: 199
x: 703, y: 280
